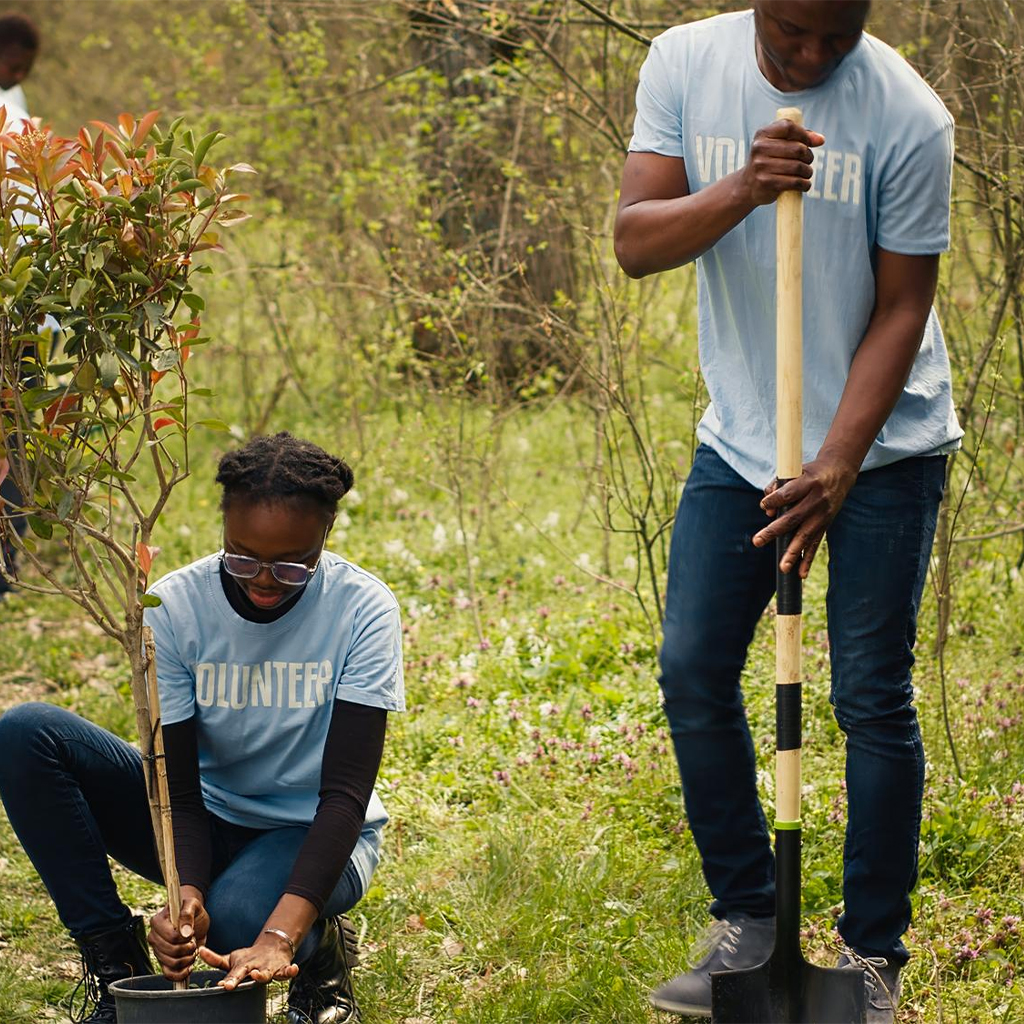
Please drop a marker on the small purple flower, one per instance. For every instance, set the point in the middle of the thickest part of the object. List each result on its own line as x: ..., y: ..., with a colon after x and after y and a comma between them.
x: 967, y: 953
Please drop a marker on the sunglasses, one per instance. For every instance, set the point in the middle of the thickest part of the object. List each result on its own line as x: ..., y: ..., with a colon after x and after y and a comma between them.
x: 291, y: 574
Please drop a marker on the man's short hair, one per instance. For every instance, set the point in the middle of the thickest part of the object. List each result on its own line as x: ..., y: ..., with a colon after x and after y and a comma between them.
x: 18, y: 30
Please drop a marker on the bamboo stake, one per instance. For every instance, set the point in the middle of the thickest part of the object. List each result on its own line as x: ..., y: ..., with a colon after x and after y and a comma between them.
x: 159, y: 794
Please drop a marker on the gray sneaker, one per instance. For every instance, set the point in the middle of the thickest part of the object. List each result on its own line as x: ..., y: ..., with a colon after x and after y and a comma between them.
x: 881, y: 985
x: 726, y: 945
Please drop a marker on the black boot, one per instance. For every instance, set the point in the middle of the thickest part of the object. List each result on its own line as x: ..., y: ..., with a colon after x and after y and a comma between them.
x: 322, y: 991
x: 109, y: 956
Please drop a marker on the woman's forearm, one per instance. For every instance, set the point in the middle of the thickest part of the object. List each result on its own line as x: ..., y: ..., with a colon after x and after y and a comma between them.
x: 294, y: 916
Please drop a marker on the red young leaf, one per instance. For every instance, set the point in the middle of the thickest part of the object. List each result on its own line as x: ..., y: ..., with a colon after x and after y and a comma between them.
x: 108, y: 128
x: 146, y: 553
x: 115, y: 151
x: 52, y: 411
x: 164, y: 421
x: 143, y: 127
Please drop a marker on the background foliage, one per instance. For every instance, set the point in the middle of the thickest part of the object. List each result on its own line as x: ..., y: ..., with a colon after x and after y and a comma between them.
x: 427, y: 286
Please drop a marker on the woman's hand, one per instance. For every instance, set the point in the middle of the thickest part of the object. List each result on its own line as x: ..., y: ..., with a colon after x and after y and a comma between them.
x: 268, y: 959
x: 175, y: 948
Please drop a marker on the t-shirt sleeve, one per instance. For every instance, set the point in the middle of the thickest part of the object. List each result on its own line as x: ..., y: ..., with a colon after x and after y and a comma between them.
x: 175, y: 680
x: 373, y: 674
x: 658, y: 126
x: 913, y: 203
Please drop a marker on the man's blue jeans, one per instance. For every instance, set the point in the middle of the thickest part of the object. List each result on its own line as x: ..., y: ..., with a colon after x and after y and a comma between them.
x: 75, y: 793
x: 718, y: 586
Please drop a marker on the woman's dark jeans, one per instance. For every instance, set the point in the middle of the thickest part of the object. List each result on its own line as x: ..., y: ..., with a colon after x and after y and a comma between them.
x: 719, y: 584
x: 75, y: 793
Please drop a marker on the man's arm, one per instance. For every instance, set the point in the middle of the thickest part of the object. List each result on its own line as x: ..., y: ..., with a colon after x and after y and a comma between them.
x: 904, y: 291
x: 660, y: 225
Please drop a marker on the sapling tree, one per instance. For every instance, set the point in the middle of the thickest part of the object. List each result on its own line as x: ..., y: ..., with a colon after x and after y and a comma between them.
x: 101, y: 242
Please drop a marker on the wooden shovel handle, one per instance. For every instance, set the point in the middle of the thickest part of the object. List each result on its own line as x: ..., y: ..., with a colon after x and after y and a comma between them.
x: 789, y: 324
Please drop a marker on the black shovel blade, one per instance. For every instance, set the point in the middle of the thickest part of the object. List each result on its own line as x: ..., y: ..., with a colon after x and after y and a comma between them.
x: 788, y: 991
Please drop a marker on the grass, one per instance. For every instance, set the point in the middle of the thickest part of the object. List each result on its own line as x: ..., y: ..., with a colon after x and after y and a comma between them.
x: 538, y: 866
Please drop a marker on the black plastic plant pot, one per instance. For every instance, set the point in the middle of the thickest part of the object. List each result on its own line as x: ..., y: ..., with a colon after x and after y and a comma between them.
x: 151, y: 999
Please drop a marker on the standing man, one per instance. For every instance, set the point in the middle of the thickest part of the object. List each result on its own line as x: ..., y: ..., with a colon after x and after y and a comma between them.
x: 706, y: 164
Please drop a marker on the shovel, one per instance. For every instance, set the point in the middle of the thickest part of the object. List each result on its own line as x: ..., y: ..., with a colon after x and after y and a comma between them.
x: 787, y: 989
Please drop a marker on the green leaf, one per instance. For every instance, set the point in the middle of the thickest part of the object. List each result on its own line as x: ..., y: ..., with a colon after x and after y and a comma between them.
x: 40, y: 527
x: 78, y: 291
x: 110, y: 369
x: 188, y: 185
x: 95, y: 259
x: 232, y: 216
x: 165, y: 360
x: 212, y: 425
x: 194, y: 302
x: 85, y: 377
x: 155, y: 313
x: 204, y: 147
x: 135, y: 277
x: 151, y: 601
x: 67, y: 499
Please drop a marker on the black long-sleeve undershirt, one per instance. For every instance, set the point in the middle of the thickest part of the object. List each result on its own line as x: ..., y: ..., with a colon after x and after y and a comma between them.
x: 352, y: 754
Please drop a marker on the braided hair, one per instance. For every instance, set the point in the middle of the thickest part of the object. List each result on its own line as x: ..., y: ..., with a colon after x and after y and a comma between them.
x: 283, y: 468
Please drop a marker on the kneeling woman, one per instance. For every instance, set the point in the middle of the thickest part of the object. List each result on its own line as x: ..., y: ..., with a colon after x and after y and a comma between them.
x: 278, y: 662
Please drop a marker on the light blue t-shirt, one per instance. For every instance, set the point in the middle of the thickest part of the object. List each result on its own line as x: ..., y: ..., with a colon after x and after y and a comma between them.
x: 881, y: 179
x: 263, y: 693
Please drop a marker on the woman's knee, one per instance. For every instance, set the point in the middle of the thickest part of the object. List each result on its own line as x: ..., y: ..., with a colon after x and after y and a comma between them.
x: 23, y: 733
x: 237, y: 916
